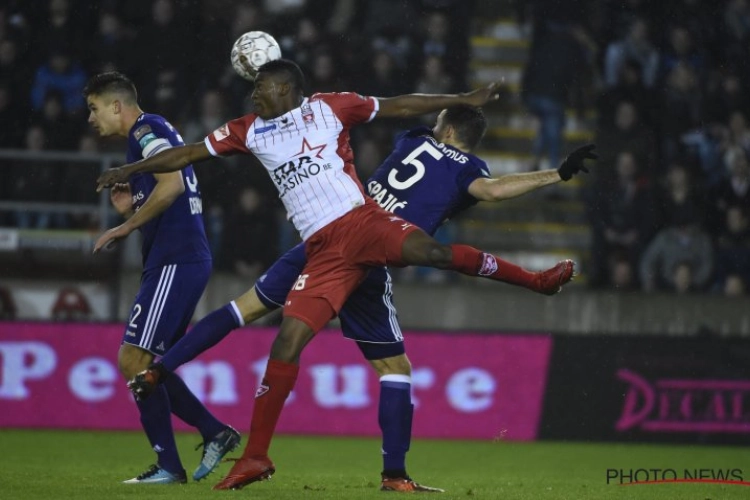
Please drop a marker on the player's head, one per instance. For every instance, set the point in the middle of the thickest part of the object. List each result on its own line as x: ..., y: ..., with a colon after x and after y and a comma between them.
x: 279, y: 87
x: 108, y: 95
x: 461, y: 126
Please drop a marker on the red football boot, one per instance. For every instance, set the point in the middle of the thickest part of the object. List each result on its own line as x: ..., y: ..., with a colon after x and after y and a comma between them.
x: 246, y: 471
x: 551, y: 281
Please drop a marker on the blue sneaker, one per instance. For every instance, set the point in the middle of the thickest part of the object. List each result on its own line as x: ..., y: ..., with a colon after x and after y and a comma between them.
x: 157, y: 475
x: 214, y: 450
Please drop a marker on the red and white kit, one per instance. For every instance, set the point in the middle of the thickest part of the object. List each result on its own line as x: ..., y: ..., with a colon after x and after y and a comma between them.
x: 306, y: 152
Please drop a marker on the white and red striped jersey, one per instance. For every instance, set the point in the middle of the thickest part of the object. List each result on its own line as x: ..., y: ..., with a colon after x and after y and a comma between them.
x: 306, y: 152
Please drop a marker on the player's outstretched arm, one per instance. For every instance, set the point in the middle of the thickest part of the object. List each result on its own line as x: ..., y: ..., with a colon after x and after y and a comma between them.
x: 405, y: 106
x: 168, y: 187
x: 512, y: 185
x: 169, y: 160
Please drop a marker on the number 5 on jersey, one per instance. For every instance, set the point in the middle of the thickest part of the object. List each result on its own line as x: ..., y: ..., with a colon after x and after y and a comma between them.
x: 300, y: 283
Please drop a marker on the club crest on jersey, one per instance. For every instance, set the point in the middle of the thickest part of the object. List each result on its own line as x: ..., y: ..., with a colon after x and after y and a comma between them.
x: 489, y: 265
x: 307, y: 113
x: 221, y: 133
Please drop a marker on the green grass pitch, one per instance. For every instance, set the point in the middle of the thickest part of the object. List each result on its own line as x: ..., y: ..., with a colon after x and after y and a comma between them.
x: 40, y: 464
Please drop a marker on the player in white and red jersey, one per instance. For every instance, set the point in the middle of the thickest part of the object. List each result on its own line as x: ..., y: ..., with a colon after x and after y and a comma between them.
x: 304, y: 145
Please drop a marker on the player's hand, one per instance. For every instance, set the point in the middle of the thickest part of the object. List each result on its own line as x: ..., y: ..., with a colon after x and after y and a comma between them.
x: 109, y: 178
x: 480, y: 97
x: 573, y: 164
x: 109, y: 237
x: 122, y: 198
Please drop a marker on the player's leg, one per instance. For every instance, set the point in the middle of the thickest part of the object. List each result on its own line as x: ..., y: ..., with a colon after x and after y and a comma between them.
x: 420, y: 249
x: 269, y: 293
x: 137, y: 351
x: 278, y: 381
x: 176, y: 309
x: 369, y: 317
x: 314, y: 299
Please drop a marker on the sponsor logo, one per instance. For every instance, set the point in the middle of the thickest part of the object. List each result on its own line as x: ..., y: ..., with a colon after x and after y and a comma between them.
x: 158, y: 449
x: 130, y: 333
x: 222, y: 132
x: 262, y: 389
x: 138, y: 197
x: 489, y: 265
x: 160, y: 347
x: 297, y: 170
x: 684, y: 405
x: 267, y: 128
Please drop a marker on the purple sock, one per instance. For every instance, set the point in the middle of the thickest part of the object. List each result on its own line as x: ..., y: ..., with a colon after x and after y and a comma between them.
x: 394, y: 416
x: 204, y: 335
x: 156, y: 420
x: 190, y: 410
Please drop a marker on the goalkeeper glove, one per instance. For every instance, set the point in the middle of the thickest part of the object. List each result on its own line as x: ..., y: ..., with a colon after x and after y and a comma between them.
x: 573, y: 164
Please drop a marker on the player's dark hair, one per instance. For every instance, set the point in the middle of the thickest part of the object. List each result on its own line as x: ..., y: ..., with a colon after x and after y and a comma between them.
x: 111, y: 82
x: 288, y: 70
x: 469, y: 123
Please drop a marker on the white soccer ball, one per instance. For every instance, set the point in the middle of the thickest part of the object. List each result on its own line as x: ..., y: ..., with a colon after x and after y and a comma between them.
x: 251, y: 51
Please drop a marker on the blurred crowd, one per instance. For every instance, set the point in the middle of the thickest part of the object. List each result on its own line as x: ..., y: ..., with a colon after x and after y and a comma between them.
x: 669, y: 198
x: 668, y: 80
x: 177, y: 53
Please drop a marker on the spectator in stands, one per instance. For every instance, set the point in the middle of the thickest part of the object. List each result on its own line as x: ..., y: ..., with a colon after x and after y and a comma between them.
x: 35, y: 181
x: 61, y: 131
x: 621, y: 273
x: 249, y: 247
x: 625, y: 133
x: 628, y: 87
x: 680, y: 198
x: 324, y: 76
x: 111, y: 45
x: 681, y: 51
x: 680, y: 251
x: 734, y: 286
x: 732, y: 190
x: 733, y: 247
x: 71, y: 305
x: 635, y: 46
x: 75, y: 187
x: 61, y: 73
x: 624, y: 218
x: 680, y: 108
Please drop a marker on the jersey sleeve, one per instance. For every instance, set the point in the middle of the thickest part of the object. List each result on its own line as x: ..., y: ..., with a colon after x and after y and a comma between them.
x: 349, y: 107
x: 152, y: 137
x: 230, y: 138
x: 473, y: 170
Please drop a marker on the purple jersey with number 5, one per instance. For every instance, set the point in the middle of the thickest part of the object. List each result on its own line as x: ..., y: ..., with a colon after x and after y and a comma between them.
x: 423, y: 181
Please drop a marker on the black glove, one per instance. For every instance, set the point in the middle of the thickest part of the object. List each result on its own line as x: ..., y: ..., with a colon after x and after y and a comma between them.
x: 145, y: 382
x: 574, y: 162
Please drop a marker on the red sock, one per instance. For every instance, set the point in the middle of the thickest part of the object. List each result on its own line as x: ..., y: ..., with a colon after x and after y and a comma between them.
x: 469, y: 260
x: 277, y: 383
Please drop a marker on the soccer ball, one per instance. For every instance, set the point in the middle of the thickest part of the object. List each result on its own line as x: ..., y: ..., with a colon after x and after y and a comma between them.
x: 251, y: 51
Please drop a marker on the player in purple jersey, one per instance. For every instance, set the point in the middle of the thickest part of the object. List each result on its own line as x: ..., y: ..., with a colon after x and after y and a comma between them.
x: 166, y: 208
x: 429, y: 177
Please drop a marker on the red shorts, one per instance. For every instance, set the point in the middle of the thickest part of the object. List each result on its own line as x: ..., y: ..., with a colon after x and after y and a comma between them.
x: 338, y: 258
